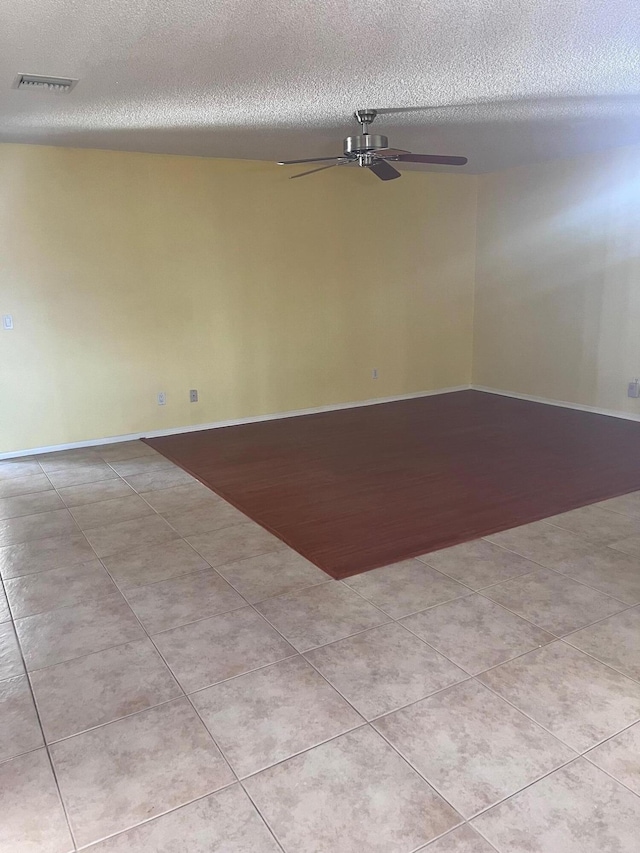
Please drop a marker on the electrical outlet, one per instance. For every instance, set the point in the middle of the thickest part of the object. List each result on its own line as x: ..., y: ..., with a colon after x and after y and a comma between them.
x: 633, y: 388
x: 7, y: 322
x: 374, y: 373
x: 162, y: 398
x: 193, y: 396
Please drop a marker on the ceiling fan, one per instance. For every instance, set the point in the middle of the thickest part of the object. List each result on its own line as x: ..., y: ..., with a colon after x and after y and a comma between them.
x: 371, y: 151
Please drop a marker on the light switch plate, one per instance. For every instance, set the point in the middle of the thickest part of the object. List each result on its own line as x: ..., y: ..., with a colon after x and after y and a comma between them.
x: 7, y: 322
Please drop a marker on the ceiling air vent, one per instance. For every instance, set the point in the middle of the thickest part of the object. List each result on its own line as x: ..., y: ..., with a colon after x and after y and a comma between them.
x: 57, y: 85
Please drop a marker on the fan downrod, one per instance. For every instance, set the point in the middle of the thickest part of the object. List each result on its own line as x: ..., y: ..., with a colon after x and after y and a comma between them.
x: 365, y: 118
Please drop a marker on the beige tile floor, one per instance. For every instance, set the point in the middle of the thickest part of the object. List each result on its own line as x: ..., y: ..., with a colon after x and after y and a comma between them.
x: 172, y: 677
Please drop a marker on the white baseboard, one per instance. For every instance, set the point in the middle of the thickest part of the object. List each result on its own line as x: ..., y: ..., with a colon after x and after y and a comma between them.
x: 611, y: 413
x: 113, y: 439
x: 93, y: 442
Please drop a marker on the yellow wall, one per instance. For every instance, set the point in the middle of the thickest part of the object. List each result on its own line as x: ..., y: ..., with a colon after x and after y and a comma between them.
x: 557, y: 303
x: 127, y: 274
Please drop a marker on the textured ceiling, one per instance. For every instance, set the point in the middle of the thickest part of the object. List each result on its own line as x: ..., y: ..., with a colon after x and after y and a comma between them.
x: 506, y: 81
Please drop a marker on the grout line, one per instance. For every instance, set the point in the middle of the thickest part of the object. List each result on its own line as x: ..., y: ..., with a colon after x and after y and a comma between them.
x: 579, y: 753
x: 555, y: 635
x: 436, y: 788
x: 563, y: 766
x: 263, y: 818
x: 557, y: 571
x: 148, y: 820
x: 242, y: 674
x: 599, y: 660
x: 451, y: 832
x: 604, y: 770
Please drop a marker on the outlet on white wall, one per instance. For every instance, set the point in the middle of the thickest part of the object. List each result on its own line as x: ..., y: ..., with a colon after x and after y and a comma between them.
x: 162, y: 398
x: 633, y: 388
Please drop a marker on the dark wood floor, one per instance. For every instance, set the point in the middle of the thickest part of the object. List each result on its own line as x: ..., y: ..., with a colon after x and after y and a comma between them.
x: 361, y: 488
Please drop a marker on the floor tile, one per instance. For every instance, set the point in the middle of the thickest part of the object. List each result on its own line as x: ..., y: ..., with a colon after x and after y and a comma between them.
x: 95, y: 492
x: 596, y: 524
x: 43, y: 554
x: 115, y: 776
x: 101, y: 687
x: 475, y: 633
x: 614, y: 641
x: 625, y: 504
x: 32, y: 817
x: 71, y: 632
x: 383, y: 669
x: 24, y: 466
x: 183, y: 498
x: 242, y: 641
x: 541, y: 542
x: 272, y: 574
x: 479, y: 563
x: 19, y: 726
x: 235, y: 543
x: 225, y: 822
x: 269, y: 715
x: 351, y: 794
x: 608, y: 570
x: 142, y: 464
x: 29, y: 504
x: 151, y: 480
x: 61, y: 460
x: 10, y: 657
x: 320, y: 614
x: 5, y: 613
x: 577, y: 809
x: 405, y: 587
x: 137, y: 533
x: 140, y: 566
x: 178, y: 601
x: 554, y: 602
x: 461, y: 840
x: 630, y: 546
x: 41, y: 525
x: 472, y: 746
x: 620, y: 757
x: 80, y: 474
x: 58, y: 588
x: 110, y: 511
x: 203, y: 519
x: 575, y: 697
x: 117, y: 451
x: 24, y: 485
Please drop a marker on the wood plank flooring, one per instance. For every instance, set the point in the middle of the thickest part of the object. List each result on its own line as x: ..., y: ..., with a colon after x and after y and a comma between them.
x: 360, y: 488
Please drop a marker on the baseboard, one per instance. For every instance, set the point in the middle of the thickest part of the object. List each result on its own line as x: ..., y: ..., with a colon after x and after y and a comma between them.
x: 114, y: 439
x: 611, y: 413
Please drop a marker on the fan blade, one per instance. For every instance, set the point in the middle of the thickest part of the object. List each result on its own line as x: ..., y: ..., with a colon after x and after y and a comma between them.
x: 390, y: 152
x: 384, y: 170
x: 311, y: 171
x: 440, y: 159
x: 310, y: 160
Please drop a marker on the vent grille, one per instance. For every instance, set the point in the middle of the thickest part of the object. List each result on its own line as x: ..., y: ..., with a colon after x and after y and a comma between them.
x: 35, y: 82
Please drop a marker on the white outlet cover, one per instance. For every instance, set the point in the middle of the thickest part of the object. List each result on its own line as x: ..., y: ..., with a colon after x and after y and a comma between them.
x: 7, y: 322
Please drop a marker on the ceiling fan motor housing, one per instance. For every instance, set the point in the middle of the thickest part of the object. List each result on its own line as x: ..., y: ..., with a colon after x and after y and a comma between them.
x: 364, y: 143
